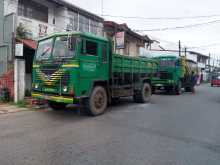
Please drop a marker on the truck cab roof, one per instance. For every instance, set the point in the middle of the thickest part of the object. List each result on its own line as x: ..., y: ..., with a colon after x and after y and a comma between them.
x: 83, y: 34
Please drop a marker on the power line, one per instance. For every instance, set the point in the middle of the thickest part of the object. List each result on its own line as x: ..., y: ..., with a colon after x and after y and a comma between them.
x: 180, y: 27
x: 204, y: 46
x: 161, y: 18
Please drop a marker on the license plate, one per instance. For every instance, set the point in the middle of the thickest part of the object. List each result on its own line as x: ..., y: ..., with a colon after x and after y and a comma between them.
x: 49, y: 90
x: 46, y: 97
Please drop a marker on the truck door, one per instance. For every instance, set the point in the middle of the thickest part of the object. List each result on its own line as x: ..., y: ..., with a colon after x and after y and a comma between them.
x: 103, y: 67
x: 93, y: 65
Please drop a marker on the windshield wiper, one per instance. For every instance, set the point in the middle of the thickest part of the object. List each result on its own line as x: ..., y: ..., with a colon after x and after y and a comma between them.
x: 45, y: 52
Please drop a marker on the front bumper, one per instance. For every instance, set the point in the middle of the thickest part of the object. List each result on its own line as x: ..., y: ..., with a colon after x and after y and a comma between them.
x: 59, y: 99
x: 163, y: 83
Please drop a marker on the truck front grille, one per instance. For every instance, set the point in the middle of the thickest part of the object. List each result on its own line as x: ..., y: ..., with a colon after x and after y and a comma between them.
x: 165, y: 75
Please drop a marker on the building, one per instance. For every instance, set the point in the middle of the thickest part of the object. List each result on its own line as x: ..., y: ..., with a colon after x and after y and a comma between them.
x: 125, y: 41
x: 202, y: 61
x: 24, y: 21
x: 42, y: 17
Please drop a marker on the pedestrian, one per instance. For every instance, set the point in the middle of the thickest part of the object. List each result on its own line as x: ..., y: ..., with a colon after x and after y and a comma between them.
x: 194, y: 79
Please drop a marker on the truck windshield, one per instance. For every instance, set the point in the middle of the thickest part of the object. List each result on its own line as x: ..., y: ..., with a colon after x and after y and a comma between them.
x: 44, y: 49
x: 64, y: 47
x: 167, y: 63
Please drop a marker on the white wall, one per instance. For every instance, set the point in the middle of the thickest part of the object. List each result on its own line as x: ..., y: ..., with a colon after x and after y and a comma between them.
x: 1, y: 21
x: 10, y: 6
x: 192, y: 57
x: 19, y: 80
x: 35, y: 28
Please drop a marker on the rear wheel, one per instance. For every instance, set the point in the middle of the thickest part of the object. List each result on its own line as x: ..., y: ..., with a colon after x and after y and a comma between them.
x: 56, y: 106
x: 143, y: 95
x: 96, y: 104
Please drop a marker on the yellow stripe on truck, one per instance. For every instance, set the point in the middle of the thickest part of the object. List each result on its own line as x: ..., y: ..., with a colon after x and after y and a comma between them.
x: 53, y: 98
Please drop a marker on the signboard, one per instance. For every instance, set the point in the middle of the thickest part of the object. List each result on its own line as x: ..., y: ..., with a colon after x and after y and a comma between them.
x: 19, y: 50
x: 120, y: 40
x: 42, y: 30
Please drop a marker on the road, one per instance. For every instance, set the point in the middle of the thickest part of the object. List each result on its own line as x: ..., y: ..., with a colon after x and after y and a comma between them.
x: 172, y: 130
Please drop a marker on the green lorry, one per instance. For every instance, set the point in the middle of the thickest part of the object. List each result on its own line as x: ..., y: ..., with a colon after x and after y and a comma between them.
x: 174, y: 73
x: 80, y: 68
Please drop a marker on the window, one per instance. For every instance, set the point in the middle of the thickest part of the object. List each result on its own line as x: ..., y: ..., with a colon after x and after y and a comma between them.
x: 83, y: 24
x: 104, y: 53
x: 91, y: 48
x: 73, y: 21
x: 33, y: 10
x: 44, y: 49
x: 94, y: 27
x: 64, y: 47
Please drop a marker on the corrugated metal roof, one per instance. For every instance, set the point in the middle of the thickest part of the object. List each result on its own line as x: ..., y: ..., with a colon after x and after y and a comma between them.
x: 124, y: 27
x: 29, y: 43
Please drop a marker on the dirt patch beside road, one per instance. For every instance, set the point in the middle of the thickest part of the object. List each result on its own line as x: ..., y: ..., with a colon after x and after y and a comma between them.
x: 7, y: 108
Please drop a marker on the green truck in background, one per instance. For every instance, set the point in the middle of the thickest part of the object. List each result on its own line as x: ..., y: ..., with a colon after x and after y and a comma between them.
x: 174, y: 73
x: 80, y: 68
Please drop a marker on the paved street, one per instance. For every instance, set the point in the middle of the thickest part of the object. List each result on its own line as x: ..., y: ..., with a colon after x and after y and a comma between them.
x: 172, y: 130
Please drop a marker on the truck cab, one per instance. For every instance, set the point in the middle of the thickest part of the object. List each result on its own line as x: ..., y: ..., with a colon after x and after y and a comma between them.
x: 175, y: 73
x: 67, y: 64
x: 170, y: 73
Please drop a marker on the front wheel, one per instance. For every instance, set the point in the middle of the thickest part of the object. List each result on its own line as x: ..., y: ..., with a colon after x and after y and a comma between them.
x: 56, y: 106
x: 96, y: 104
x: 143, y: 95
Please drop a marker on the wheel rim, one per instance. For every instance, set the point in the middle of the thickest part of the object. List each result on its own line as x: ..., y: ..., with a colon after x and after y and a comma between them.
x: 99, y: 100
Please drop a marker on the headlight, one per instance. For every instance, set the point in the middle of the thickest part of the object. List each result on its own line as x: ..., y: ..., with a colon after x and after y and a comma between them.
x: 36, y: 86
x: 65, y: 89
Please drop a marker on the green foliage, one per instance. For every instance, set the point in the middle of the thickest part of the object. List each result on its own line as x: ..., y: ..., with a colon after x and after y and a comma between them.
x: 21, y: 32
x: 21, y: 104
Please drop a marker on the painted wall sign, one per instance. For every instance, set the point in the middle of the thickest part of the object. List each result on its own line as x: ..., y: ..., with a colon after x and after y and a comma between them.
x: 19, y: 50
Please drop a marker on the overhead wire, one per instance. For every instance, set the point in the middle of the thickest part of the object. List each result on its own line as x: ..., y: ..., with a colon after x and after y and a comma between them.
x: 161, y: 18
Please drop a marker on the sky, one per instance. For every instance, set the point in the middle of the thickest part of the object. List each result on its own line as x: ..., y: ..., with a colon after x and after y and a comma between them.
x: 205, y: 38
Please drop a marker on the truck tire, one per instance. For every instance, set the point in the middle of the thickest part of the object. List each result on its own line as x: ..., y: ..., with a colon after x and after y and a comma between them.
x: 178, y: 88
x: 96, y: 104
x: 143, y: 95
x: 56, y: 106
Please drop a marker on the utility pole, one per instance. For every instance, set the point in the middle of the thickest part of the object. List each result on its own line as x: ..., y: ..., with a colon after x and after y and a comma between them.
x: 1, y: 21
x: 102, y: 6
x: 179, y: 48
x: 185, y: 51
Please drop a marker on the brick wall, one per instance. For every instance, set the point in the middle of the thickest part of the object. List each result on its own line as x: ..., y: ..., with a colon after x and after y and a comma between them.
x: 7, y: 81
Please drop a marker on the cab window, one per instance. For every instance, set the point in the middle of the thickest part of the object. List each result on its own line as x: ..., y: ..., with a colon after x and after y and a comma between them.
x: 90, y: 48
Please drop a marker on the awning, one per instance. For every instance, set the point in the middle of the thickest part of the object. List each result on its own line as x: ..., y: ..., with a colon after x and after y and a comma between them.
x: 28, y: 43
